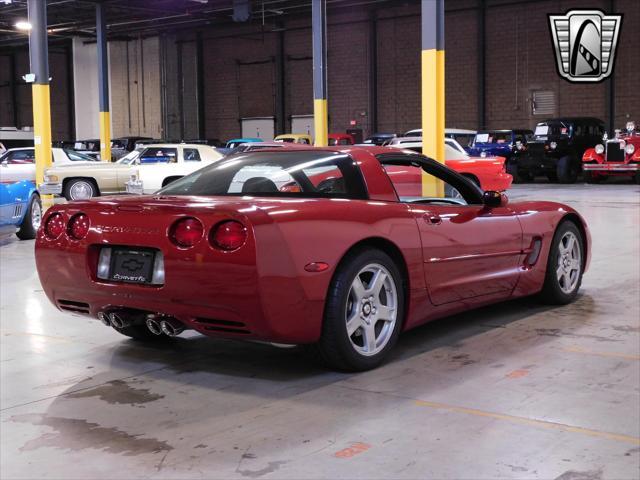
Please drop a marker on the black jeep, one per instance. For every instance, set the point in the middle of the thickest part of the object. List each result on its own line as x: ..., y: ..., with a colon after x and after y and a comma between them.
x: 557, y: 146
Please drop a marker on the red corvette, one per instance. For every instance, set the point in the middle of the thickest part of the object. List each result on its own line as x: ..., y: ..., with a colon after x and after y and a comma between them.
x: 342, y: 263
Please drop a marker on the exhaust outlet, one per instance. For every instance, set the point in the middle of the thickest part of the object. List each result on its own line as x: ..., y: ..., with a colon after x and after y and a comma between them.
x: 171, y: 327
x: 104, y: 318
x: 118, y: 320
x: 154, y: 326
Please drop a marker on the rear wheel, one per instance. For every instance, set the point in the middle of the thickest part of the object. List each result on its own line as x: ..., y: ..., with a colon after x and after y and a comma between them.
x: 31, y: 221
x: 363, y: 312
x: 80, y: 189
x: 566, y: 170
x: 564, y: 265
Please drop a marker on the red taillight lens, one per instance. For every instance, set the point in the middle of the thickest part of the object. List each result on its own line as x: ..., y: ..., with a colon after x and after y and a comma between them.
x: 228, y: 235
x: 78, y: 226
x: 54, y: 226
x: 186, y: 232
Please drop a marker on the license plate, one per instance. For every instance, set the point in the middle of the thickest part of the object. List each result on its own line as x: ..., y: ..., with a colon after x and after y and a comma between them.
x: 132, y: 266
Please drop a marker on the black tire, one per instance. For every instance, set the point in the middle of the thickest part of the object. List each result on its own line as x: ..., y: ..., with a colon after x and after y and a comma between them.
x: 591, y: 178
x: 141, y: 333
x: 552, y: 292
x: 87, y: 183
x: 335, y: 348
x: 637, y: 178
x: 519, y: 175
x: 552, y: 176
x: 29, y: 227
x: 566, y: 170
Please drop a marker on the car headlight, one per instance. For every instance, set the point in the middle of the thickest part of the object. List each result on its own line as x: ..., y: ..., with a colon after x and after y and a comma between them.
x: 483, y: 154
x: 629, y: 149
x: 133, y: 178
x: 599, y: 149
x: 51, y: 178
x: 553, y: 145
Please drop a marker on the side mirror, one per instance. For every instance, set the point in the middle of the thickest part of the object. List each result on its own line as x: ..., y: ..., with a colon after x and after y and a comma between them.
x: 494, y: 199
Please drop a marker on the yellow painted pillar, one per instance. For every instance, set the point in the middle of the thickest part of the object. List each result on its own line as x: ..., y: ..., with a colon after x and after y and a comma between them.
x: 433, y: 114
x: 103, y: 84
x: 39, y: 65
x: 320, y: 111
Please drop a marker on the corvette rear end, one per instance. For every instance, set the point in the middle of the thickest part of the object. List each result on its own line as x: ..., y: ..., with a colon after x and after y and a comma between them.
x: 172, y: 263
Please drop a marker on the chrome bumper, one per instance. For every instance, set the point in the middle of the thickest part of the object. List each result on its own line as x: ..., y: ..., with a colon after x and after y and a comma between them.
x: 611, y: 167
x: 50, y: 188
x: 135, y: 188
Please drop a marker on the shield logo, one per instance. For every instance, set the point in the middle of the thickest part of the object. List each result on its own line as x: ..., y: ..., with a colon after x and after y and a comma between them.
x: 585, y: 44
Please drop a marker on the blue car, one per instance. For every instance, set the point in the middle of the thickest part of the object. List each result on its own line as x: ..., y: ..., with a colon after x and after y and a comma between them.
x: 20, y: 209
x: 509, y: 144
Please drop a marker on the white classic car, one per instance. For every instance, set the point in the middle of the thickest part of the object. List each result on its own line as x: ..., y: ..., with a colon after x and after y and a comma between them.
x: 17, y: 164
x: 158, y: 165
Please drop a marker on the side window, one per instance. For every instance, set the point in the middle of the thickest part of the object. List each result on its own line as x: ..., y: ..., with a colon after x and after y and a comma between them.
x: 21, y: 157
x: 158, y: 155
x: 191, y: 155
x: 408, y: 183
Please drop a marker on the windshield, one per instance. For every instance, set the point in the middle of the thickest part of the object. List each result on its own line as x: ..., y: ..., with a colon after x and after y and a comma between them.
x: 557, y: 129
x: 131, y: 157
x: 276, y: 174
x: 493, y: 137
x: 79, y: 157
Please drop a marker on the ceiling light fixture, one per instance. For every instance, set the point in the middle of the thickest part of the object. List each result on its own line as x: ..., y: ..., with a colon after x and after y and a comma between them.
x: 23, y: 25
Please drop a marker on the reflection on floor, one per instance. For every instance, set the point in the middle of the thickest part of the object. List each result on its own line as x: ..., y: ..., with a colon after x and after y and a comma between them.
x: 517, y: 390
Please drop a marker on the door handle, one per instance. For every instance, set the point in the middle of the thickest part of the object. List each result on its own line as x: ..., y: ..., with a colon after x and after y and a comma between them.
x: 432, y: 219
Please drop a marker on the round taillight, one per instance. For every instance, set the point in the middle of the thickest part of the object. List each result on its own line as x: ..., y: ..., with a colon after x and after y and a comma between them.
x: 228, y: 235
x: 186, y: 232
x: 78, y: 226
x: 54, y: 226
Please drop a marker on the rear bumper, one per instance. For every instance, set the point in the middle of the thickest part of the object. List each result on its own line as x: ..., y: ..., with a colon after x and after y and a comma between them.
x: 611, y: 167
x: 50, y: 188
x: 213, y: 297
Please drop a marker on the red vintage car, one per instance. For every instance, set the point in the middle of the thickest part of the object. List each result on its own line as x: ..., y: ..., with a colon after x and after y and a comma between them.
x: 341, y: 264
x: 489, y: 173
x: 340, y: 139
x: 618, y: 156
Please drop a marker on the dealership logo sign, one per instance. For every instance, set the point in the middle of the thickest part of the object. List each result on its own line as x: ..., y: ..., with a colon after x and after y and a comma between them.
x: 585, y: 44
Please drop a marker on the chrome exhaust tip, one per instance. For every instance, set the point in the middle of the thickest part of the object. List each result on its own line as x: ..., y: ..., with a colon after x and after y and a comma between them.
x: 154, y: 326
x: 104, y: 318
x: 119, y: 321
x: 171, y: 327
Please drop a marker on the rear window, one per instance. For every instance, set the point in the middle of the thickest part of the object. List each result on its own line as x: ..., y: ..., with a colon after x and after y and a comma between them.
x: 276, y: 174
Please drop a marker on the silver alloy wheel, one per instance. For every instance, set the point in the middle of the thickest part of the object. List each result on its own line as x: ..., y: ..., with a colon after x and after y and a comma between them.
x: 81, y: 190
x: 569, y: 262
x: 36, y: 214
x: 372, y: 309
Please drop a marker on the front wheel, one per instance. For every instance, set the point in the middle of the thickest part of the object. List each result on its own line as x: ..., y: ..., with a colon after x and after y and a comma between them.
x: 80, y: 189
x: 31, y: 221
x: 363, y: 312
x: 564, y: 266
x: 519, y: 175
x: 566, y: 170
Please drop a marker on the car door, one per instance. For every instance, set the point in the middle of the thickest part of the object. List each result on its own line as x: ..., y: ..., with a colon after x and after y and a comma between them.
x: 18, y: 165
x: 469, y: 249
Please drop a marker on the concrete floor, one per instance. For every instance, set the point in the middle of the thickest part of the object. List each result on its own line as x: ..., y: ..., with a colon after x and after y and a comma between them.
x: 516, y: 390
